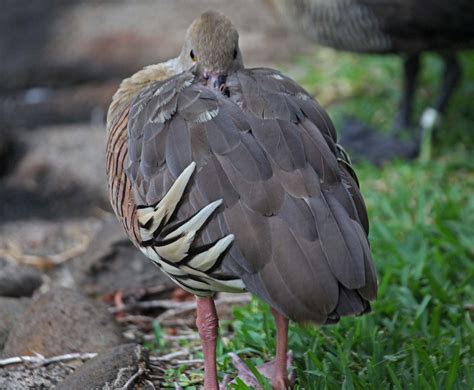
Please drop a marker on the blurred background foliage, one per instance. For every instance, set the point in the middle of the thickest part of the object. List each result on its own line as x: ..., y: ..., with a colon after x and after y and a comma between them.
x: 368, y: 87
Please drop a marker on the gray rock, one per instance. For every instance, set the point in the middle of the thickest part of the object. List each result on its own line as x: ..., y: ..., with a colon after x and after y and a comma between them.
x: 63, y: 321
x: 18, y: 281
x: 10, y: 149
x: 110, y: 370
x: 111, y: 263
x: 31, y: 377
x: 60, y: 175
x: 10, y: 310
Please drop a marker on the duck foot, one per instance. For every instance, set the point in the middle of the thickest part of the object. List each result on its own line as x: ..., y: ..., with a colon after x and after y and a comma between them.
x: 366, y: 143
x: 268, y: 370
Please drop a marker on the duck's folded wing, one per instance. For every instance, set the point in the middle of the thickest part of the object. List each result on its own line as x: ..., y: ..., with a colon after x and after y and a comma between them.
x: 292, y: 218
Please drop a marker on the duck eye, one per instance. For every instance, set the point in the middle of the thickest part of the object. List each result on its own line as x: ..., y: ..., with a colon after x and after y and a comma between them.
x: 235, y: 54
x: 191, y: 54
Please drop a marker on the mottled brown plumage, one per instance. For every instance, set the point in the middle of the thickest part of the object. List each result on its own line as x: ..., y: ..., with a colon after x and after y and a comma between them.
x: 405, y: 27
x: 230, y: 179
x: 389, y: 26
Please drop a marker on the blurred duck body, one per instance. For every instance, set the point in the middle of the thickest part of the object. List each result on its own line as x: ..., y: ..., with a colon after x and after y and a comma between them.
x: 405, y: 27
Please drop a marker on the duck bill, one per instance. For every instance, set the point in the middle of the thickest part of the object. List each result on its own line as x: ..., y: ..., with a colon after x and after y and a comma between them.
x: 215, y: 80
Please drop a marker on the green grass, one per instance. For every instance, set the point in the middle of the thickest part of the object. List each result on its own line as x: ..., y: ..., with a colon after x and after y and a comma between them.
x: 368, y: 87
x: 419, y: 335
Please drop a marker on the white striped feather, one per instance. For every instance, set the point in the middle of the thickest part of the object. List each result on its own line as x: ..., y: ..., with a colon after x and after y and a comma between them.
x: 195, y: 223
x: 170, y: 269
x: 190, y: 276
x: 201, y: 292
x: 145, y: 214
x: 233, y: 285
x: 166, y: 100
x: 214, y: 284
x: 149, y: 252
x: 166, y: 206
x: 164, y: 86
x: 206, y: 116
x: 155, y: 258
x: 185, y: 84
x: 178, y: 249
x: 206, y: 260
x: 203, y: 283
x: 162, y: 116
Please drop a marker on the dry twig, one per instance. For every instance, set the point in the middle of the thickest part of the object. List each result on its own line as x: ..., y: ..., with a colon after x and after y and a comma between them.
x: 171, y: 356
x: 11, y: 251
x: 175, y: 308
x: 189, y: 361
x: 132, y: 379
x: 40, y: 360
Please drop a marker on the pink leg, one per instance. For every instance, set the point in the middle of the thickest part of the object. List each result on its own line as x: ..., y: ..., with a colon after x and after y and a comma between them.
x: 280, y: 377
x: 276, y: 370
x: 208, y: 323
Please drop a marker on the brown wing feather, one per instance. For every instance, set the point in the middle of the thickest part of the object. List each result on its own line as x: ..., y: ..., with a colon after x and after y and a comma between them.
x: 118, y: 184
x: 269, y: 153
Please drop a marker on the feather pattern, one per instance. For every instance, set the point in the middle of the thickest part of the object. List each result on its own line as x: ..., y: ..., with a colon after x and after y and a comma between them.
x: 249, y: 191
x: 389, y: 26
